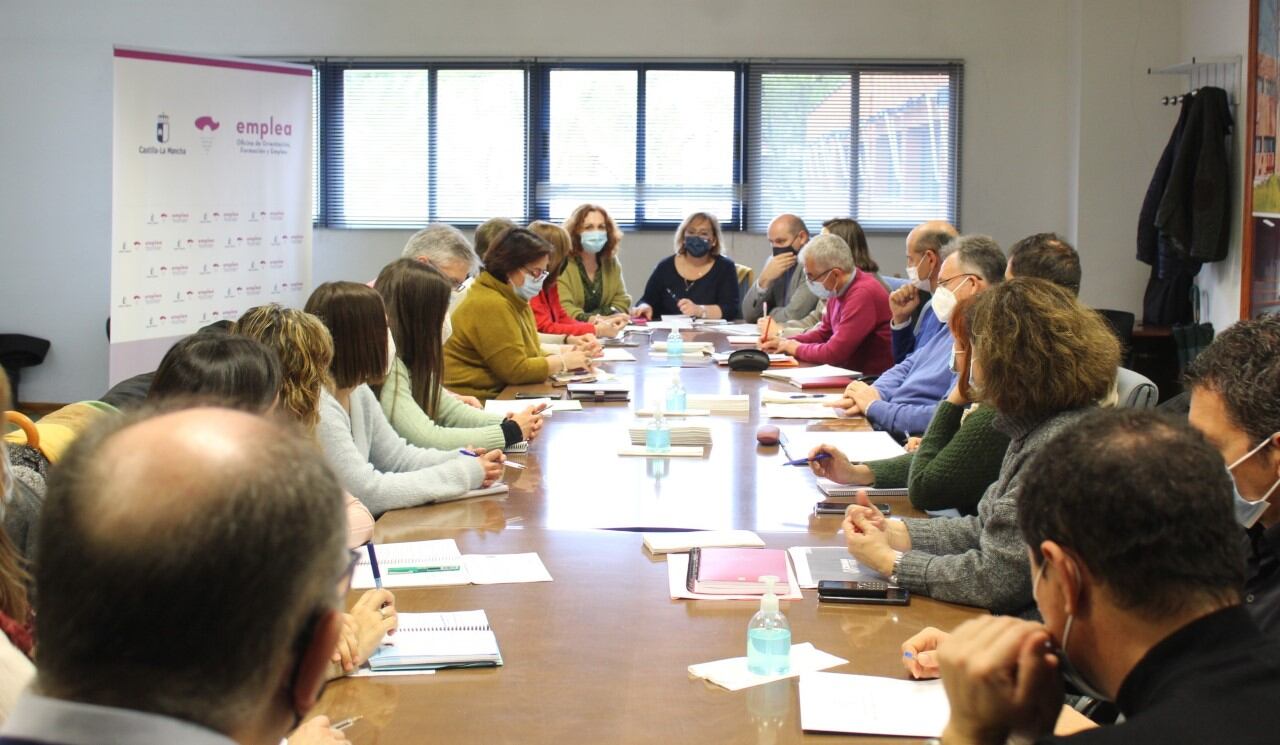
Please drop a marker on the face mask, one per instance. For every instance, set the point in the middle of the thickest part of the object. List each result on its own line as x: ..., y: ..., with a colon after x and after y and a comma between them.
x: 944, y: 304
x: 784, y: 250
x: 1069, y: 672
x: 391, y: 353
x: 913, y: 274
x: 951, y: 362
x: 531, y: 287
x: 1247, y: 513
x: 593, y: 240
x: 696, y: 246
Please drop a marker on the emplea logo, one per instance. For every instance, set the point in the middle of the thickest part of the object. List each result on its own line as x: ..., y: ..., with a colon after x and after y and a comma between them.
x: 206, y: 126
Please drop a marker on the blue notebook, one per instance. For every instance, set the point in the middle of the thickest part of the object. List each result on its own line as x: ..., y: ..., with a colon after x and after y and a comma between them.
x: 430, y: 641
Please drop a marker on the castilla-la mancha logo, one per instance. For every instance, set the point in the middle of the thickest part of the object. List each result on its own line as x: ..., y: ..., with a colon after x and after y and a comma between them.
x: 207, y: 126
x: 162, y: 128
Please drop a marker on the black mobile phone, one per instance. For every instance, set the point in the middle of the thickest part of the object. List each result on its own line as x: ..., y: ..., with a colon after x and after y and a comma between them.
x: 838, y: 508
x: 863, y: 591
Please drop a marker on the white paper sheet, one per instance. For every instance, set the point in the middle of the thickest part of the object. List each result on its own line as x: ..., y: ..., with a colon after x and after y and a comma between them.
x: 799, y: 411
x: 814, y: 563
x: 800, y: 373
x: 615, y: 354
x: 796, y: 398
x: 746, y: 341
x: 738, y: 329
x: 517, y: 405
x: 678, y: 571
x: 502, y: 569
x: 868, y: 705
x: 859, y: 446
x: 732, y: 674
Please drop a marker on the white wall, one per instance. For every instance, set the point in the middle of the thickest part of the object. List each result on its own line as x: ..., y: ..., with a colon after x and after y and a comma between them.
x: 1219, y: 29
x: 1035, y: 95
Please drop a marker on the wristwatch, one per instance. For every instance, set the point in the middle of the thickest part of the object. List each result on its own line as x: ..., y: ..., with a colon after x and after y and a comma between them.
x: 897, y: 566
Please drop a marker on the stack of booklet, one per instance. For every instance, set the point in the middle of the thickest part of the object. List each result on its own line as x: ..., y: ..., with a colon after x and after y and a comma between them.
x: 681, y: 434
x: 430, y: 641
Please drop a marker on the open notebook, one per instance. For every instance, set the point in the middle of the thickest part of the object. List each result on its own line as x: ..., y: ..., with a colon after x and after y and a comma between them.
x: 427, y: 641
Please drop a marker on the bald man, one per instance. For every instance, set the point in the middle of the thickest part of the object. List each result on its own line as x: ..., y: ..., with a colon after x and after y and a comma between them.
x: 780, y: 284
x: 913, y: 322
x: 188, y: 583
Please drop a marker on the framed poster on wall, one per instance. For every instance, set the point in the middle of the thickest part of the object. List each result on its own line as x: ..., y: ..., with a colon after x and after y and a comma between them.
x: 1260, y: 288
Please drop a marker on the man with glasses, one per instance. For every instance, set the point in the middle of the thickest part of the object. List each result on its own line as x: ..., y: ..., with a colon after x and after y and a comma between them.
x: 902, y: 401
x: 781, y: 285
x: 191, y: 568
x: 854, y: 331
x: 448, y: 250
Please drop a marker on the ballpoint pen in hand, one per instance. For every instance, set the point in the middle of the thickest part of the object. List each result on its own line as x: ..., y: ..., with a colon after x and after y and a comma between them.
x: 506, y: 463
x: 807, y: 461
x: 345, y: 723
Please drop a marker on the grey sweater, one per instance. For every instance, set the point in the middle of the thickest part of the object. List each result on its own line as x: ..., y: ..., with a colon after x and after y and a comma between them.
x: 981, y: 559
x: 378, y: 467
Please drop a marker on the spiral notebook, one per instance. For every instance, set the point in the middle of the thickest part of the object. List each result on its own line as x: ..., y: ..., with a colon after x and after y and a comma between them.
x: 413, y: 564
x: 429, y: 641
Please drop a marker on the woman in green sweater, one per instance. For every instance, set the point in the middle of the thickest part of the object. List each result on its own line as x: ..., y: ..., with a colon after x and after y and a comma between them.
x: 958, y: 458
x: 416, y: 296
x: 591, y: 285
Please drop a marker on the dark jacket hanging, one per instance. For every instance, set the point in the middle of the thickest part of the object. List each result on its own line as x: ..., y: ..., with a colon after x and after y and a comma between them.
x: 1195, y: 212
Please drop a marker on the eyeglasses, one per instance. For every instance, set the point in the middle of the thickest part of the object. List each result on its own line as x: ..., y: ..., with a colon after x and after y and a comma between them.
x: 945, y: 282
x: 457, y: 284
x: 820, y: 277
x: 535, y: 274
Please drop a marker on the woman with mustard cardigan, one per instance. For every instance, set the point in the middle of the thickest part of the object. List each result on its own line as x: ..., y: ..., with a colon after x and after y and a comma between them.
x: 495, y: 338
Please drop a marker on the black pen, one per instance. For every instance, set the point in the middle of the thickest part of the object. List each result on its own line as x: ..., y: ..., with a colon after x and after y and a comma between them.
x: 373, y: 563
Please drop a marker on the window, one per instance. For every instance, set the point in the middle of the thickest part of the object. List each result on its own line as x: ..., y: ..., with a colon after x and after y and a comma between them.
x: 880, y: 144
x: 405, y: 143
x: 413, y: 145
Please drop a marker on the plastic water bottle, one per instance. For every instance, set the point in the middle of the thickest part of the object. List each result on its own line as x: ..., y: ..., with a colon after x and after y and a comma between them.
x: 657, y: 438
x: 769, y: 636
x: 677, y: 401
x: 675, y: 344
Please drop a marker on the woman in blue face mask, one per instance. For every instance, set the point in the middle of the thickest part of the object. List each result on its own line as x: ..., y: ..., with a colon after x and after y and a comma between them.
x: 697, y: 281
x: 590, y: 282
x: 495, y: 337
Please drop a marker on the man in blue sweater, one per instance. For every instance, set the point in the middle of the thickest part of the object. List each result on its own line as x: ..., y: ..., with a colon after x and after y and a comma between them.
x: 913, y: 323
x: 903, y: 399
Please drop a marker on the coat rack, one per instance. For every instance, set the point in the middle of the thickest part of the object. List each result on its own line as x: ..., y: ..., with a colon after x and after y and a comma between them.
x: 1219, y: 72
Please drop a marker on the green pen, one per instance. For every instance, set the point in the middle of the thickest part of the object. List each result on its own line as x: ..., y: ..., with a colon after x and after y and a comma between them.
x: 419, y: 570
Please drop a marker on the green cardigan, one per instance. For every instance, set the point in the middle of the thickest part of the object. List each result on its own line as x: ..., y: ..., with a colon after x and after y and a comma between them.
x: 456, y: 425
x: 613, y: 290
x: 958, y: 458
x: 494, y: 342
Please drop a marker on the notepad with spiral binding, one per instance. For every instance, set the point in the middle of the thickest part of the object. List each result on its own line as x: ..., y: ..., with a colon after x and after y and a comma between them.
x: 429, y: 641
x: 413, y: 564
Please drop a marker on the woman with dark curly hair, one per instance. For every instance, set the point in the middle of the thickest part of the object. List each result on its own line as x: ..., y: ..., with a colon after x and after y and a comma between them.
x: 1041, y: 360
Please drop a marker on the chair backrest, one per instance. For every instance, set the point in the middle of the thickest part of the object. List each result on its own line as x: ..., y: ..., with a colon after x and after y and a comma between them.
x: 745, y: 275
x: 1122, y: 323
x: 1135, y: 390
x: 894, y: 282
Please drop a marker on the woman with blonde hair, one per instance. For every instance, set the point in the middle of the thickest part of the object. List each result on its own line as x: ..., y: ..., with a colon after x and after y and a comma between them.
x: 1041, y: 360
x: 548, y: 310
x: 591, y: 284
x: 698, y: 280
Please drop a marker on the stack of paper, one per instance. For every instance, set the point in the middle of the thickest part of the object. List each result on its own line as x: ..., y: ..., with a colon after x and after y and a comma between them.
x: 680, y: 541
x: 691, y: 348
x: 437, y: 640
x: 817, y: 563
x: 867, y: 705
x: 614, y: 354
x: 739, y: 329
x: 744, y: 341
x: 770, y: 396
x: 681, y: 434
x: 817, y: 371
x: 731, y: 403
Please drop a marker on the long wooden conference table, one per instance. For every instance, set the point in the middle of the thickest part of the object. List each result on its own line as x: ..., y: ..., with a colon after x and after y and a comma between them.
x: 601, y: 653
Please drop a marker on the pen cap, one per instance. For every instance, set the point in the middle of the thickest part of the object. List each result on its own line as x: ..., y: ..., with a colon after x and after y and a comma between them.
x: 769, y: 601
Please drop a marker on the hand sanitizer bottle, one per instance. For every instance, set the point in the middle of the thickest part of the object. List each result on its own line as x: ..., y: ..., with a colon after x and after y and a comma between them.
x: 657, y: 438
x: 676, y: 398
x: 769, y: 636
x: 675, y: 344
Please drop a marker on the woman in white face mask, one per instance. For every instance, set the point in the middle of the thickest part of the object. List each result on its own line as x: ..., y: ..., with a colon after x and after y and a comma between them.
x: 16, y: 640
x: 354, y: 432
x: 591, y: 285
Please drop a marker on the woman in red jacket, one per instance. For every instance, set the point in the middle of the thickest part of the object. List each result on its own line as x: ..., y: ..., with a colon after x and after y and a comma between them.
x: 547, y: 310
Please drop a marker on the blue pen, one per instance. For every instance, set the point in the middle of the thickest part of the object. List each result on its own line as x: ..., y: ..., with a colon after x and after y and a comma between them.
x: 507, y: 463
x: 806, y: 461
x: 908, y: 655
x: 373, y: 563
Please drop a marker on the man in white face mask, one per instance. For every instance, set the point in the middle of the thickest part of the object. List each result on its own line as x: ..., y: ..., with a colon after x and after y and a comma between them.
x: 1137, y: 575
x: 1235, y: 403
x: 913, y: 324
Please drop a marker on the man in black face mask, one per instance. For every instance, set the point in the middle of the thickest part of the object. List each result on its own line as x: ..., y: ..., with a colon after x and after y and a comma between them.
x: 780, y: 285
x: 1137, y: 572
